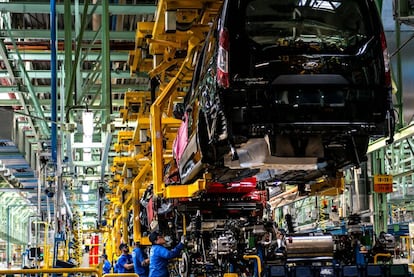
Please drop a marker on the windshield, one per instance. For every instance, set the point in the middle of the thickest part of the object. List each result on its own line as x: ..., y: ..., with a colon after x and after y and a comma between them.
x: 310, y: 25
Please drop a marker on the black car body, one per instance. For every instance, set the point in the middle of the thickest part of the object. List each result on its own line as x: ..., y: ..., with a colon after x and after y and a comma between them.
x: 289, y: 89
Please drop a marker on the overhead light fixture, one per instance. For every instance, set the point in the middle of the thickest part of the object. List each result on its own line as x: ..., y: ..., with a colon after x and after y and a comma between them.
x: 85, y: 197
x: 85, y: 187
x: 87, y: 125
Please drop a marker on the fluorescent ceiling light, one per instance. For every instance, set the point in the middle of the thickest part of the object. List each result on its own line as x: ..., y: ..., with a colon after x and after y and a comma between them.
x: 87, y: 124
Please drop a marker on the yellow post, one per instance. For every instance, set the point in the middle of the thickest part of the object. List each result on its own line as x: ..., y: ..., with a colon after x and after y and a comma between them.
x: 136, y: 187
x: 46, y: 247
x: 407, y: 242
x: 386, y: 255
x: 89, y: 270
x: 259, y: 262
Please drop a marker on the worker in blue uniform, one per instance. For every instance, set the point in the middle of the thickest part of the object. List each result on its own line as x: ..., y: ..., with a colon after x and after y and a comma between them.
x: 106, y: 265
x: 140, y: 260
x: 160, y: 255
x: 116, y: 266
x: 125, y: 264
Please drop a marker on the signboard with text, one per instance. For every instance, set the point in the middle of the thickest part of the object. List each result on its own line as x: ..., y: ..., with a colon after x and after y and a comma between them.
x: 382, y: 183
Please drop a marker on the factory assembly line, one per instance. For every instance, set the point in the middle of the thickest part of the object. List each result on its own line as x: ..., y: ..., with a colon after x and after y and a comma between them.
x: 224, y: 129
x: 252, y: 105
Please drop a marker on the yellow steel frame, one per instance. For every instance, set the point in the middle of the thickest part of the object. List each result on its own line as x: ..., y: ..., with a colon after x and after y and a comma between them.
x: 123, y: 145
x: 131, y: 100
x: 138, y: 187
x: 329, y: 186
x: 141, y: 161
x: 156, y: 115
x: 137, y: 59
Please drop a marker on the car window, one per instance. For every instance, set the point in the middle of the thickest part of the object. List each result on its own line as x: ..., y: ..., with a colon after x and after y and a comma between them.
x: 314, y: 26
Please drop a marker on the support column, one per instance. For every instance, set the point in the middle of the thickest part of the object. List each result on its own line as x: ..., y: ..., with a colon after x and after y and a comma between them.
x: 380, y: 199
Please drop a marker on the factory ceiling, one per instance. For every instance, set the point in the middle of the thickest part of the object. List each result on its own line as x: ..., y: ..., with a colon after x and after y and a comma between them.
x: 39, y: 143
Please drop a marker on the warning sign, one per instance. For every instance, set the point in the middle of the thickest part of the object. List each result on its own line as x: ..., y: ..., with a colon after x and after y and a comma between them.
x: 382, y: 183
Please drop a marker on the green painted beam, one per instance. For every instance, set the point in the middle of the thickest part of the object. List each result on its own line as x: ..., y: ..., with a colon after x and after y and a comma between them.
x: 25, y: 77
x: 11, y: 89
x: 11, y: 153
x: 45, y: 102
x: 45, y: 34
x: 45, y: 55
x: 45, y: 74
x: 114, y: 9
x: 7, y: 64
x: 106, y: 64
x: 115, y: 88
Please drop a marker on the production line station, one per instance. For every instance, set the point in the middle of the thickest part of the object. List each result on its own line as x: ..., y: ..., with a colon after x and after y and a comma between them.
x: 268, y: 138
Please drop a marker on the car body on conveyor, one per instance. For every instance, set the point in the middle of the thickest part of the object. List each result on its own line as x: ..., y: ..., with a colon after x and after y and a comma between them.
x: 286, y: 90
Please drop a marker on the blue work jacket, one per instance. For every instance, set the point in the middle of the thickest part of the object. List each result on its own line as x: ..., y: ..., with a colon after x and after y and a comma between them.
x: 159, y: 256
x: 106, y: 267
x: 138, y: 258
x: 122, y: 260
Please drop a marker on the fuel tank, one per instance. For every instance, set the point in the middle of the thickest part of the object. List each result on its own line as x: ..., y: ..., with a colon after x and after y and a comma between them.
x: 309, y: 246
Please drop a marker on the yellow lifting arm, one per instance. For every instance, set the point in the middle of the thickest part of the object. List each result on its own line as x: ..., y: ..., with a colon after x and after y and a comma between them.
x: 139, y: 184
x: 329, y: 186
x: 156, y: 115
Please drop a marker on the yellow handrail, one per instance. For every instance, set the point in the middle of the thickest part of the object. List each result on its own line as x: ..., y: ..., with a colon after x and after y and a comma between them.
x: 386, y: 255
x: 259, y: 262
x: 120, y: 274
x: 93, y: 270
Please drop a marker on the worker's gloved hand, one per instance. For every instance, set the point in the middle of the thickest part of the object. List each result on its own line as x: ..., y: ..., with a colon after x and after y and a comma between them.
x: 183, y: 239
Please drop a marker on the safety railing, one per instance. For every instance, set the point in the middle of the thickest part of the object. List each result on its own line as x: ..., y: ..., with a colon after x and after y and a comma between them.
x: 42, y: 271
x: 120, y: 275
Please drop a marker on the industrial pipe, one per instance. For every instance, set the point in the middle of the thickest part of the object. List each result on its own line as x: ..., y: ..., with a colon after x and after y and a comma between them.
x: 53, y: 72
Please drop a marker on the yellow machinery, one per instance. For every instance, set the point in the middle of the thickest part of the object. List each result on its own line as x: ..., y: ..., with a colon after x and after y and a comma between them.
x: 167, y: 49
x: 47, y: 258
x: 405, y: 250
x: 164, y: 49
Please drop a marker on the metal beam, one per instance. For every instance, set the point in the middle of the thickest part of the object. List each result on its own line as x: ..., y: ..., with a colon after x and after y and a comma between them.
x: 12, y: 77
x: 17, y: 190
x: 44, y: 102
x: 114, y: 9
x: 106, y: 63
x: 403, y: 133
x: 115, y: 88
x: 4, y: 56
x: 45, y: 34
x: 27, y: 81
x: 45, y: 55
x: 45, y: 74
